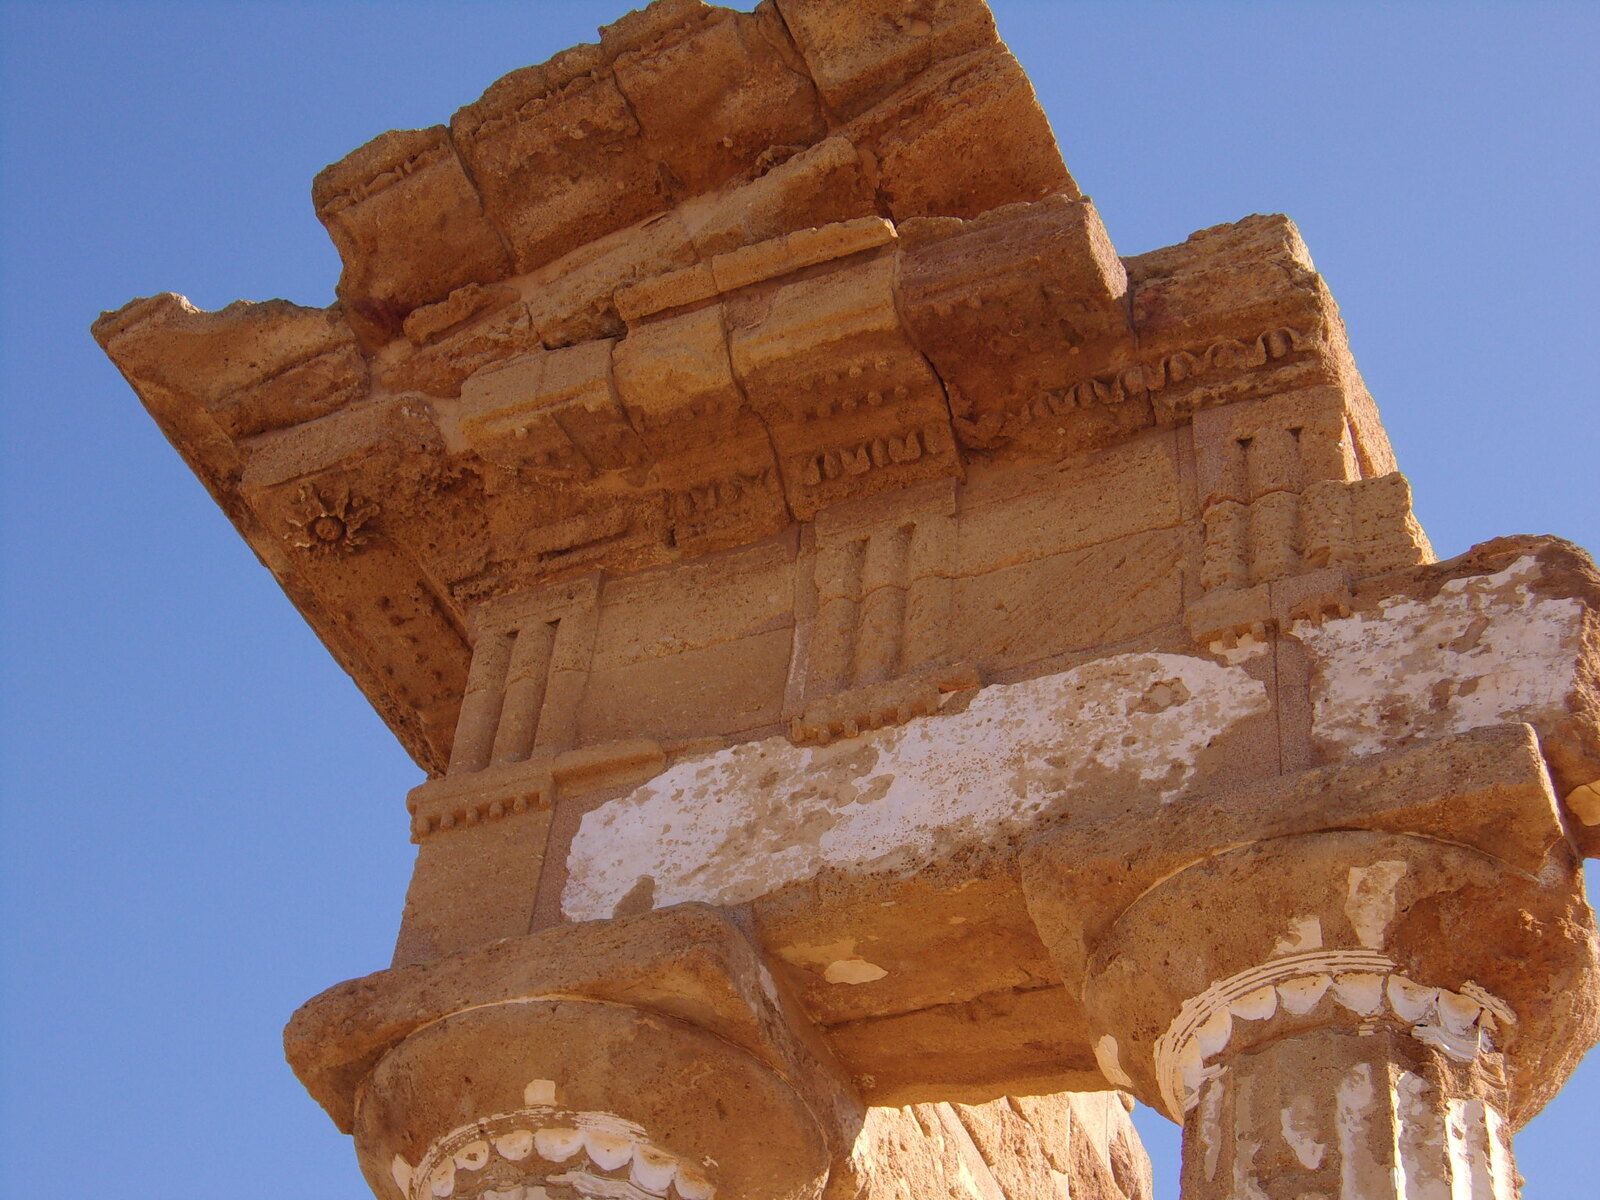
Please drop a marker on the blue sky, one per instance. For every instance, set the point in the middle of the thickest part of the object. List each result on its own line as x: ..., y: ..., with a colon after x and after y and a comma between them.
x: 203, y: 823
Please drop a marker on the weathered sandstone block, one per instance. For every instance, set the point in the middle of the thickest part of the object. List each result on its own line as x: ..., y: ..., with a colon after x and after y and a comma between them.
x: 859, y: 52
x: 1420, y: 954
x: 1015, y: 309
x: 888, y: 669
x: 404, y: 186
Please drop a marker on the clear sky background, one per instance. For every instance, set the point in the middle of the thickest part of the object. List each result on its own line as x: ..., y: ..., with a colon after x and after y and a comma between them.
x: 203, y: 823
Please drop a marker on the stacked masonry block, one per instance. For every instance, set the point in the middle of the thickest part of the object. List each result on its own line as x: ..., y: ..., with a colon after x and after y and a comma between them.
x: 889, y: 669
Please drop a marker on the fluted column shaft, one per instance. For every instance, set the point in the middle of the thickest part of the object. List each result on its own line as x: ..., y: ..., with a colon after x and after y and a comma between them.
x: 1348, y: 1114
x: 1349, y: 984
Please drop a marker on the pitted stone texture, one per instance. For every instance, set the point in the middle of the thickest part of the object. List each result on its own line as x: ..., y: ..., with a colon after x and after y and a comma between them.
x: 691, y: 964
x: 965, y: 137
x: 1348, y: 1114
x: 1402, y: 922
x: 743, y: 822
x: 561, y: 271
x: 627, y: 447
x: 1485, y: 649
x: 407, y: 186
x: 600, y: 1098
x: 1487, y: 789
x: 1507, y: 632
x: 861, y: 50
x: 1013, y: 309
x: 1398, y: 1003
x: 250, y: 368
x: 740, y: 470
x: 1079, y: 1145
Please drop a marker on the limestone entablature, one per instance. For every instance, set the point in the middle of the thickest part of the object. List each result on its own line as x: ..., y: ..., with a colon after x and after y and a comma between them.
x: 845, y: 611
x: 742, y: 314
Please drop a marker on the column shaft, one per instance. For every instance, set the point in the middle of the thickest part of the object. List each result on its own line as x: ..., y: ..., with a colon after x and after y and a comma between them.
x: 1348, y: 1114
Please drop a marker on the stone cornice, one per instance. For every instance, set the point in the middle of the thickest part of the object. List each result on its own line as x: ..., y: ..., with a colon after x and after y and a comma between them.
x: 523, y: 381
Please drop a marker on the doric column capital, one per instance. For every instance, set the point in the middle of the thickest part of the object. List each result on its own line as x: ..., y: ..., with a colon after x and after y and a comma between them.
x: 1431, y: 887
x: 649, y: 1056
x: 552, y: 1097
x: 1360, y: 971
x: 1348, y: 930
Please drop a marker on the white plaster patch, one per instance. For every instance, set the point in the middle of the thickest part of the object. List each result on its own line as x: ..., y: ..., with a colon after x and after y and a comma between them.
x: 1486, y: 650
x: 1211, y: 1125
x: 1298, y: 1121
x: 1412, y: 1002
x: 853, y: 970
x: 769, y: 986
x: 558, y: 1144
x: 1424, y: 1172
x: 514, y: 1146
x: 474, y: 1156
x: 741, y: 822
x: 400, y: 1172
x: 604, y: 1124
x: 1300, y: 996
x: 1214, y: 1033
x: 1364, y: 982
x: 1305, y: 933
x: 539, y: 1091
x: 606, y: 1149
x: 1259, y: 1005
x: 693, y: 1186
x: 581, y: 1142
x: 1370, y: 900
x: 1497, y: 1007
x: 1362, y: 1174
x: 1246, y: 1184
x: 652, y: 1169
x: 442, y: 1179
x: 1501, y: 1172
x: 590, y: 1186
x: 1106, y: 1057
x: 1359, y: 991
x: 1479, y: 1163
x: 836, y: 962
x: 1247, y: 648
x: 1461, y: 1047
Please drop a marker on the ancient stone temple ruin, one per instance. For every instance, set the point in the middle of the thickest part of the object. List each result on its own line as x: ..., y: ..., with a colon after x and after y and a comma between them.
x: 896, y: 681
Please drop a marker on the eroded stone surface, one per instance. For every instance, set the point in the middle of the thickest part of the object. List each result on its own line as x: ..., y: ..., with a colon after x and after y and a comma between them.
x: 742, y: 471
x: 1485, y: 650
x: 745, y: 821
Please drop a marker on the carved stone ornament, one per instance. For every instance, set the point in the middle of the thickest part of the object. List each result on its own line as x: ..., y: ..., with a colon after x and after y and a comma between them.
x: 897, y: 679
x: 330, y: 526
